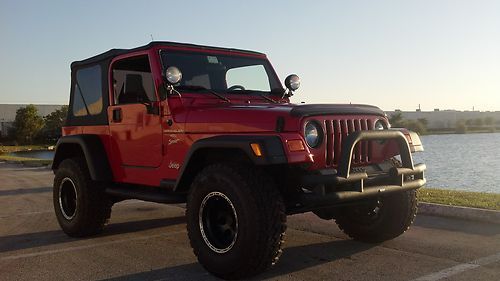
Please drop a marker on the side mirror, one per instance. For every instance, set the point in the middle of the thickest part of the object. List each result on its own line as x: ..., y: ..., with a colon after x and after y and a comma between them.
x: 292, y: 82
x: 173, y: 75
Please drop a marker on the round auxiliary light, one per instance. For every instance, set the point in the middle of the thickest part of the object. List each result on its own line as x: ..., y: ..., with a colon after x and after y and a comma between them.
x: 292, y: 82
x: 313, y: 134
x: 173, y: 75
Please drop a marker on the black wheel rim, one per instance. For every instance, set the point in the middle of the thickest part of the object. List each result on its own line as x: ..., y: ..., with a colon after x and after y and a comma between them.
x: 218, y: 222
x: 68, y: 198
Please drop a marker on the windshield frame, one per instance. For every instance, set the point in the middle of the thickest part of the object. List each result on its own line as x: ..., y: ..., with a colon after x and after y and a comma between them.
x: 271, y: 73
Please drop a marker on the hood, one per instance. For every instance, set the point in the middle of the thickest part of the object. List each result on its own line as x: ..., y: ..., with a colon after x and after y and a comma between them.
x: 335, y: 109
x: 233, y: 118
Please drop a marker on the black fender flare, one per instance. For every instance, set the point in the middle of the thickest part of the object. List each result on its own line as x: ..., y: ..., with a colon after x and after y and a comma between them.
x: 93, y: 150
x: 272, y: 150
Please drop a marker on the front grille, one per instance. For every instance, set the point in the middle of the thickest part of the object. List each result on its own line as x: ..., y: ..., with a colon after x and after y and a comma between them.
x: 337, y: 131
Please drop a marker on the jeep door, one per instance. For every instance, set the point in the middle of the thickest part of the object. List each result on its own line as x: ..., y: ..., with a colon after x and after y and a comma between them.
x: 135, y: 127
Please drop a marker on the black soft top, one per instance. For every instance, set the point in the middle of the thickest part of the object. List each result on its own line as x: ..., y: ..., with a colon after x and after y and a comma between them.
x: 116, y: 52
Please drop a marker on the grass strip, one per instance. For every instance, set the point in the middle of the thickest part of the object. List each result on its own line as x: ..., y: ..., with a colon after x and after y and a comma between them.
x: 482, y: 200
x: 25, y: 160
x: 17, y: 148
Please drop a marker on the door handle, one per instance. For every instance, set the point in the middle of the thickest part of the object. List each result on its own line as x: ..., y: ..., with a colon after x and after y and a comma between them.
x: 117, y: 115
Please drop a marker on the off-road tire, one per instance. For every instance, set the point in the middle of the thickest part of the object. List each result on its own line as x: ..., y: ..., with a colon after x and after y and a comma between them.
x: 93, y: 206
x: 396, y: 213
x: 261, y: 220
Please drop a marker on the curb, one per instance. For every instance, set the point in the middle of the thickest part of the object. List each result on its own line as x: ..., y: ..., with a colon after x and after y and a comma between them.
x: 466, y: 213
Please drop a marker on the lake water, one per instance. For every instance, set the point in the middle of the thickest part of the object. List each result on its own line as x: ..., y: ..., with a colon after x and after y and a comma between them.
x: 466, y: 162
x: 39, y: 154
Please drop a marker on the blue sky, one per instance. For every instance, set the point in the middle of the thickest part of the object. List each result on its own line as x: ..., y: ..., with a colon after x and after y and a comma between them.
x: 394, y: 54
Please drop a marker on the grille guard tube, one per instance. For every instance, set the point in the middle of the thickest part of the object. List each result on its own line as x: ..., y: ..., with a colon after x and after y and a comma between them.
x: 356, y: 137
x: 396, y: 180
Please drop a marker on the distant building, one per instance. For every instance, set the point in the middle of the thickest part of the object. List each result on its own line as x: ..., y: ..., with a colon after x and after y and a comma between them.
x: 446, y: 119
x: 8, y: 114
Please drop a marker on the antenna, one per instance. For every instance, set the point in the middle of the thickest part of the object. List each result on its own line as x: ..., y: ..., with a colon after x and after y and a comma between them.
x: 152, y: 39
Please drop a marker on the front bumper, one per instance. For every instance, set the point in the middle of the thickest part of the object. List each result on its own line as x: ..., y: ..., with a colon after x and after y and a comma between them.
x: 351, y: 186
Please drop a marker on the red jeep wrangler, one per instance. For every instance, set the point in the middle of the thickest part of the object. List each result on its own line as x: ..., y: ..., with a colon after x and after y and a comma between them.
x: 214, y: 128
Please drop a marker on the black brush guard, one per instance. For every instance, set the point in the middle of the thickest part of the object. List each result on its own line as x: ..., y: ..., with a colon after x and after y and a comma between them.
x: 357, y: 185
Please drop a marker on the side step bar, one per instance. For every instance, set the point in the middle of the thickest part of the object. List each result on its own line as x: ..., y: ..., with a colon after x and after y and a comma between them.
x: 146, y: 193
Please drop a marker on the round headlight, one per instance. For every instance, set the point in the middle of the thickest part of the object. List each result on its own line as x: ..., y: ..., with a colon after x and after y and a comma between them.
x: 313, y: 134
x: 380, y: 125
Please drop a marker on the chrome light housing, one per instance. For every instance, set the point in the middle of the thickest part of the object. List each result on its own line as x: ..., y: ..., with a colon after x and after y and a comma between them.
x: 380, y: 125
x: 292, y: 82
x: 313, y: 133
x: 173, y: 75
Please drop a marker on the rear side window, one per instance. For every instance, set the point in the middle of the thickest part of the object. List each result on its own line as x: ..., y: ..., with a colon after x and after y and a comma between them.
x: 87, y: 98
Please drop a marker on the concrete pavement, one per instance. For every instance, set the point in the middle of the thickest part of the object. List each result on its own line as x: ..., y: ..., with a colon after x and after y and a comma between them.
x: 147, y: 241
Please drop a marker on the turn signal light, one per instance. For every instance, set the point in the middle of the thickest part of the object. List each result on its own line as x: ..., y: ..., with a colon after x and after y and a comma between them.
x: 295, y: 145
x: 256, y: 149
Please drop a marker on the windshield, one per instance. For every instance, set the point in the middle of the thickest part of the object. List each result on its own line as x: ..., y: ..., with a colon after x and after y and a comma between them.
x: 223, y: 73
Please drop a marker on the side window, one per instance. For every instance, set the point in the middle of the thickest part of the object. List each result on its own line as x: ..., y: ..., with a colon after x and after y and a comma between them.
x: 132, y: 81
x: 253, y: 77
x: 87, y: 98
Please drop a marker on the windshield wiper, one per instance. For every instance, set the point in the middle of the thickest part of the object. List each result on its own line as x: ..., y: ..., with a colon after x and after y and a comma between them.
x: 268, y: 98
x: 256, y: 92
x: 201, y: 88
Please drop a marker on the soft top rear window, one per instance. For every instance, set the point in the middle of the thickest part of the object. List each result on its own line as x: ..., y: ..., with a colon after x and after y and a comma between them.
x: 87, y: 91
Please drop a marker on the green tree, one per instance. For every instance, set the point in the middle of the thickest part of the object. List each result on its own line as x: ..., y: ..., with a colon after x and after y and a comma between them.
x: 27, y: 124
x: 479, y: 122
x: 417, y: 126
x: 396, y: 120
x: 53, y: 124
x: 423, y: 121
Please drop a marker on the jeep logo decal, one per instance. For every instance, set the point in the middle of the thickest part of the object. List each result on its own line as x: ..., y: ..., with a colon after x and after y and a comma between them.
x: 174, y: 165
